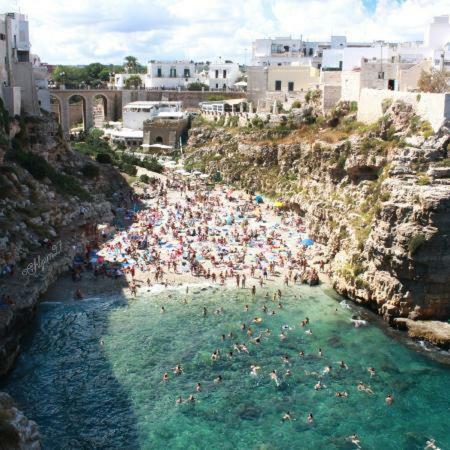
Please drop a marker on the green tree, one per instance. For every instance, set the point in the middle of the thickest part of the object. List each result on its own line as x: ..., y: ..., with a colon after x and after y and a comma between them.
x: 434, y: 81
x: 130, y: 65
x: 197, y: 86
x: 133, y: 82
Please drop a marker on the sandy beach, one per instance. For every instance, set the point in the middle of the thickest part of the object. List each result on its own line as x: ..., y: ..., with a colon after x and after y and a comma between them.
x: 231, y: 236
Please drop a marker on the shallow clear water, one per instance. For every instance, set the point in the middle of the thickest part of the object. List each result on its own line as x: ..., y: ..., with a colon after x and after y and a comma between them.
x: 91, y: 374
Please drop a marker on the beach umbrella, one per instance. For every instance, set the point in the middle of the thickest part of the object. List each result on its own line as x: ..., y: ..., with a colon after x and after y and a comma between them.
x: 259, y: 199
x: 308, y: 242
x: 278, y: 204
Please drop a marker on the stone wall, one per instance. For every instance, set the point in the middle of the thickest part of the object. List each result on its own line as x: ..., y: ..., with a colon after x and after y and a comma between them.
x: 435, y: 108
x: 331, y: 94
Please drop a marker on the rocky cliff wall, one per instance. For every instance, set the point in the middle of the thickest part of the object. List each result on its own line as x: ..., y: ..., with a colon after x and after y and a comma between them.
x: 51, y: 198
x: 377, y: 197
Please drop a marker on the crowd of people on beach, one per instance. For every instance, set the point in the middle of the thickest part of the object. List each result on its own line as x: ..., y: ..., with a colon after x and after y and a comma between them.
x: 185, y: 230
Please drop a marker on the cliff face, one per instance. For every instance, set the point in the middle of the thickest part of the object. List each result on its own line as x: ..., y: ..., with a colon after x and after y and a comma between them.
x: 377, y: 198
x: 49, y: 202
x: 51, y: 198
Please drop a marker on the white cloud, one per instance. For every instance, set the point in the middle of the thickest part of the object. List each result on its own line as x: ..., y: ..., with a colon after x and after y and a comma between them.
x: 64, y: 31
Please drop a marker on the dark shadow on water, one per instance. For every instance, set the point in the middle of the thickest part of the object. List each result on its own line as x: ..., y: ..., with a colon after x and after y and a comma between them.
x: 64, y: 370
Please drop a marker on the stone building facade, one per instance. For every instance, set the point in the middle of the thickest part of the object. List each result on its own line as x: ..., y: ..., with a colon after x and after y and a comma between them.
x: 164, y: 130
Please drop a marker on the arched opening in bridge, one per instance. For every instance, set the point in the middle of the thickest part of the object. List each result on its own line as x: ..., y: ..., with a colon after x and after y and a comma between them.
x: 77, y: 114
x: 100, y: 110
x: 55, y: 108
x: 158, y: 140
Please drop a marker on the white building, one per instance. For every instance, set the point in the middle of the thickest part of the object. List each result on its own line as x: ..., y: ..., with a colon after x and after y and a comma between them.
x: 283, y: 51
x: 223, y: 75
x: 18, y: 86
x: 135, y: 113
x: 170, y: 75
x: 40, y: 74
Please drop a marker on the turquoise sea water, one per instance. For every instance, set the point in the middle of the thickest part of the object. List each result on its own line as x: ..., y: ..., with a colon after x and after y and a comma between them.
x: 90, y: 374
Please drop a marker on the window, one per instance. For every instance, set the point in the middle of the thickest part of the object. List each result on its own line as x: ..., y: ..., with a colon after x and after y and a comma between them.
x: 217, y: 74
x: 2, y: 37
x: 381, y: 75
x: 311, y: 51
x: 187, y: 73
x: 290, y: 86
x: 340, y: 65
x: 278, y: 85
x: 217, y: 85
x: 224, y: 73
x: 159, y: 72
x: 173, y: 72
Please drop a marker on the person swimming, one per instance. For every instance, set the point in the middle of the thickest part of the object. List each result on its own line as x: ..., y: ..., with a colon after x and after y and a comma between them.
x: 301, y: 353
x: 257, y: 320
x: 431, y: 444
x: 246, y: 308
x: 177, y: 370
x: 326, y: 370
x: 285, y: 359
x: 163, y: 310
x: 341, y: 394
x: 308, y: 332
x: 320, y: 353
x: 282, y: 336
x: 274, y: 377
x: 166, y: 377
x: 389, y: 399
x: 288, y: 373
x: 218, y: 379
x: 286, y: 416
x: 318, y: 386
x: 363, y: 388
x: 342, y: 365
x: 205, y: 311
x: 198, y: 387
x: 354, y: 439
x: 254, y: 370
x: 310, y: 418
x: 191, y: 399
x: 372, y: 372
x: 179, y: 400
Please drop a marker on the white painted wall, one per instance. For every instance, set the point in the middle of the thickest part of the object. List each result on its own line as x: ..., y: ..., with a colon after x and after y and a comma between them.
x: 232, y: 73
x: 435, y: 108
x: 172, y: 74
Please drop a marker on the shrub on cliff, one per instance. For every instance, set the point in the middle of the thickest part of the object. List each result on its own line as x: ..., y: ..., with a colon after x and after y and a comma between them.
x: 152, y: 164
x: 128, y: 169
x: 39, y: 168
x: 415, y: 243
x: 104, y: 158
x: 90, y: 170
x: 144, y: 178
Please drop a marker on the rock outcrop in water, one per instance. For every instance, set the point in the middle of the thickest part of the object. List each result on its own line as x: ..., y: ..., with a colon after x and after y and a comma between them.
x: 16, y: 431
x: 377, y: 197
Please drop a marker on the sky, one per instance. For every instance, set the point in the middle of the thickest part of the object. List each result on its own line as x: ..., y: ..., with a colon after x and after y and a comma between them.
x: 85, y: 31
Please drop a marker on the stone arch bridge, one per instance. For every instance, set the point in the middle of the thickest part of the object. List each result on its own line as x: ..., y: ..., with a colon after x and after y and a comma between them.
x: 112, y: 105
